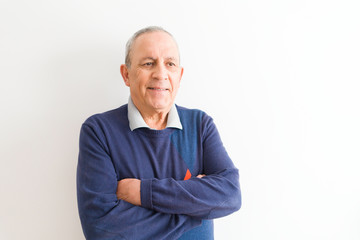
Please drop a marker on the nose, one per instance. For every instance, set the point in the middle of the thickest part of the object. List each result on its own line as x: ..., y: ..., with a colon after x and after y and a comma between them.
x: 160, y: 72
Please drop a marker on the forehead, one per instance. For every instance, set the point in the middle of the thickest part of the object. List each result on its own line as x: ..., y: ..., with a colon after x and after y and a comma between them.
x: 155, y: 44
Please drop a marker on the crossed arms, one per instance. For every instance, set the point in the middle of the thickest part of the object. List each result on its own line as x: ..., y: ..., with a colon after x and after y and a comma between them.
x: 128, y: 189
x: 128, y: 208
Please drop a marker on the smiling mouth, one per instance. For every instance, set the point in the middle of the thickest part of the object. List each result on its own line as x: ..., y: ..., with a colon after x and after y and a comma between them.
x: 158, y: 89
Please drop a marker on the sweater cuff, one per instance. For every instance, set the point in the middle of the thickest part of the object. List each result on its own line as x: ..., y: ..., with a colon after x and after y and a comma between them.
x: 146, y: 193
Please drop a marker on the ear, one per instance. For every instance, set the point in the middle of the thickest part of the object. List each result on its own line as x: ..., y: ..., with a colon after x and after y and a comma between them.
x: 125, y: 74
x: 181, y: 73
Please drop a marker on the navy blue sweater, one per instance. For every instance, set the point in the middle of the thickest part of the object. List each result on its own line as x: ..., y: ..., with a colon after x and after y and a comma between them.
x: 175, y: 204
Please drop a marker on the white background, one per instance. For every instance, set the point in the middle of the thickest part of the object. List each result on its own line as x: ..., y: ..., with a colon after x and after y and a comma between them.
x: 280, y: 78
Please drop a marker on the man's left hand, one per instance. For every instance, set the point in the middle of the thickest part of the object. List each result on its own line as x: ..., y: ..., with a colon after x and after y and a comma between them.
x: 128, y: 189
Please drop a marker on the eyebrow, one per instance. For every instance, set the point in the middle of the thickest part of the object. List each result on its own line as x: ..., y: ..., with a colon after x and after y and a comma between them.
x: 154, y: 59
x: 170, y: 58
x: 148, y: 58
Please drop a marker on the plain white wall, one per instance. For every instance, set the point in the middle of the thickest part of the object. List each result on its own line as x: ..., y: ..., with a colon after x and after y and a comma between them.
x: 280, y: 78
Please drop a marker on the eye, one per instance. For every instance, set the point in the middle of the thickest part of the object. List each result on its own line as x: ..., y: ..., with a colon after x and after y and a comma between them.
x: 171, y: 64
x: 148, y: 64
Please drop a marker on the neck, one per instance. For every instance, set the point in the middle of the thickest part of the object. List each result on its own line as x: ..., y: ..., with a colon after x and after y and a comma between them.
x: 154, y: 118
x: 156, y: 121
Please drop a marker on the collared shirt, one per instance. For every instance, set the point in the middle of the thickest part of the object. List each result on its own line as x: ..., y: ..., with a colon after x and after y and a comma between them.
x: 137, y: 121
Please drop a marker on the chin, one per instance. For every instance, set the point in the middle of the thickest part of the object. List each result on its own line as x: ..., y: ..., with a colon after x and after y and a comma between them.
x: 161, y: 106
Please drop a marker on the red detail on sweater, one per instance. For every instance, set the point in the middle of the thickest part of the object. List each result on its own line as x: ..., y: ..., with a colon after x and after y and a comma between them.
x: 188, y: 175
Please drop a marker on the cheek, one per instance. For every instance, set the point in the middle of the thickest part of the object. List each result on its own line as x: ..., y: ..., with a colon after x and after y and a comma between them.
x: 137, y: 79
x: 176, y: 85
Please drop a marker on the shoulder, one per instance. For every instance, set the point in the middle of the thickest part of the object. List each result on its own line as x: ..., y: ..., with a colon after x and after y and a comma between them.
x: 117, y: 115
x: 194, y: 117
x: 190, y: 114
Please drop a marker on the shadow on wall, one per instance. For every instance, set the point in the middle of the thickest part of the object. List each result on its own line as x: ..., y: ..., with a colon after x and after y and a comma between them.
x: 87, y: 81
x: 49, y: 94
x: 66, y: 89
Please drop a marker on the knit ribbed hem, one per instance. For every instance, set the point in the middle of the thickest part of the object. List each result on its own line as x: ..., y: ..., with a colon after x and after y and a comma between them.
x: 146, y: 193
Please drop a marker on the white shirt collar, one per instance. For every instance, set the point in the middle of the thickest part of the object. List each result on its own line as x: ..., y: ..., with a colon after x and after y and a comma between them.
x: 136, y: 120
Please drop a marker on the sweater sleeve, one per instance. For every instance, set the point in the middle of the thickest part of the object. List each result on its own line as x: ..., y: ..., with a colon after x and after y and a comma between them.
x: 102, y: 215
x: 215, y: 195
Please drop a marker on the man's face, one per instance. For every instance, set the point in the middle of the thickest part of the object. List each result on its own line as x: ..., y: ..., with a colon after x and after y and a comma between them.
x: 154, y: 75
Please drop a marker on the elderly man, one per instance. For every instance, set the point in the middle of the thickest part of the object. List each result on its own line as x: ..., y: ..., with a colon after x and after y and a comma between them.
x: 151, y: 169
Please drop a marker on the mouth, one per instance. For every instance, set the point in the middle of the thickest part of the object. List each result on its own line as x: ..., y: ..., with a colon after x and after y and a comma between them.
x: 158, y: 89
